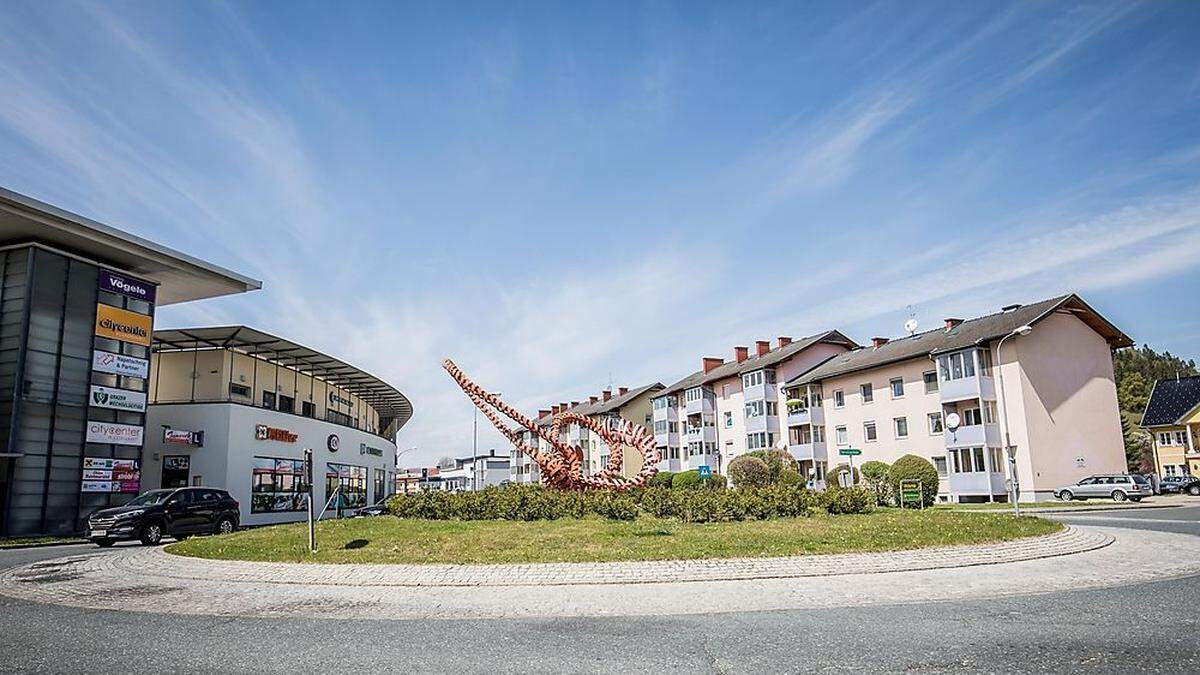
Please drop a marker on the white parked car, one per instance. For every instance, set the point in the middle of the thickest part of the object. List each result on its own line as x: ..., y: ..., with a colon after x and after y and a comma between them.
x: 1115, y: 486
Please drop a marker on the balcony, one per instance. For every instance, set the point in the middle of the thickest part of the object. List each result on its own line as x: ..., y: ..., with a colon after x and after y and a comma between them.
x: 668, y: 438
x: 979, y: 386
x: 762, y: 423
x: 668, y: 413
x: 974, y: 436
x: 977, y: 483
x: 701, y: 434
x: 798, y: 417
x: 705, y: 404
x: 697, y: 461
x: 672, y: 465
x: 813, y: 451
x: 762, y: 391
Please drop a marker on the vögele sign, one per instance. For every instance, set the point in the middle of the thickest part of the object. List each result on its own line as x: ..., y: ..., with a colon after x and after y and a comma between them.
x: 127, y: 286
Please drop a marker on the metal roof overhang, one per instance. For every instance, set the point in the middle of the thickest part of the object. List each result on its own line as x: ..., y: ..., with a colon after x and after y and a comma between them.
x: 386, y: 399
x: 180, y: 277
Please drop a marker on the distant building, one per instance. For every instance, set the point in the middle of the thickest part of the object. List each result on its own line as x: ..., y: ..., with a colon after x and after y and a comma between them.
x: 466, y: 474
x: 1172, y: 417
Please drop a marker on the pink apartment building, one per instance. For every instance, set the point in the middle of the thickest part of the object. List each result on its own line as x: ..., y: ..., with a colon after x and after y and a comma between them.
x: 943, y: 394
x: 728, y: 408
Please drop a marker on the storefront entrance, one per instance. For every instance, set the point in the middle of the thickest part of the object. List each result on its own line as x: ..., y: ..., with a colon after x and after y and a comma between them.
x: 175, y: 469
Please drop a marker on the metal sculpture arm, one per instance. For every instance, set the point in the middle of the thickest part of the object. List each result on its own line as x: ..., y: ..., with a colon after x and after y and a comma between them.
x: 562, y: 467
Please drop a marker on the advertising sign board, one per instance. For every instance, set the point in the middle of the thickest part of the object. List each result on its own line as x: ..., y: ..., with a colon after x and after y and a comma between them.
x: 109, y: 432
x: 114, y: 282
x: 104, y: 474
x: 121, y: 324
x: 118, y: 399
x: 119, y: 364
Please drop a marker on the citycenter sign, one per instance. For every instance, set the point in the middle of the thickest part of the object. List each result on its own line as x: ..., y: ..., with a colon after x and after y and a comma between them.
x: 120, y: 324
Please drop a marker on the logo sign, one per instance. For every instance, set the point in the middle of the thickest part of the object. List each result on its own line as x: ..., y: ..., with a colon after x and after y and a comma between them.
x: 103, y: 474
x: 118, y: 399
x: 120, y: 324
x: 119, y: 364
x: 705, y: 471
x: 127, y: 286
x: 263, y: 432
x: 183, y: 437
x: 335, y: 399
x: 118, y: 434
x: 333, y: 442
x: 849, y: 452
x: 364, y: 449
x: 176, y: 463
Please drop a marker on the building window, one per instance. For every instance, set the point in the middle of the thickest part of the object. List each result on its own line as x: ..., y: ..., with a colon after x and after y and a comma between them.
x: 968, y: 460
x: 940, y: 464
x: 1180, y: 438
x: 956, y: 366
x: 839, y: 399
x: 660, y: 427
x: 754, y: 409
x: 1164, y: 438
x: 277, y: 485
x: 935, y: 423
x: 985, y: 362
x: 868, y: 393
x: 728, y: 420
x: 931, y: 382
x: 239, y: 390
x: 352, y: 481
x: 996, y: 455
x: 869, y: 432
x: 752, y: 379
x: 380, y: 485
x: 269, y: 400
x: 972, y: 417
x: 897, y: 387
x: 901, y: 424
x: 308, y: 409
x: 757, y: 441
x: 287, y: 404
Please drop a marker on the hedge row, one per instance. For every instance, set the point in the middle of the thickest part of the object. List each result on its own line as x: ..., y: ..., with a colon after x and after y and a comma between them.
x: 535, y: 502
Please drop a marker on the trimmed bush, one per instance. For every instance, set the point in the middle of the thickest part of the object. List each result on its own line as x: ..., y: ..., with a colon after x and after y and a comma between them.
x: 747, y: 471
x: 661, y: 479
x: 692, y: 479
x: 832, y: 476
x: 839, y: 501
x: 777, y: 461
x: 919, y: 468
x: 875, y: 479
x: 790, y: 478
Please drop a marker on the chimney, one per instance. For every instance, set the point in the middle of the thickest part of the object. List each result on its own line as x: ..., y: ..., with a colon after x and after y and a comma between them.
x: 542, y: 413
x: 741, y: 354
x: 607, y: 394
x: 709, y: 362
x: 621, y: 391
x: 593, y: 399
x: 878, y: 342
x: 951, y: 323
x: 761, y: 347
x: 784, y: 340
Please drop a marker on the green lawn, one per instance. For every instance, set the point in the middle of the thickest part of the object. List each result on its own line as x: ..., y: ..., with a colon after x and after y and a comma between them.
x: 13, y: 542
x: 391, y: 540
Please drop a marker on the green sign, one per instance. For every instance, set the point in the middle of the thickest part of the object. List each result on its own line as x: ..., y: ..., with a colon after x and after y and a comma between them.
x: 849, y: 452
x: 910, y: 492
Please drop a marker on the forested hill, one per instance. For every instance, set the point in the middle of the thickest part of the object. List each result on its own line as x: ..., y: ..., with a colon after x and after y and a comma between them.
x: 1135, y: 372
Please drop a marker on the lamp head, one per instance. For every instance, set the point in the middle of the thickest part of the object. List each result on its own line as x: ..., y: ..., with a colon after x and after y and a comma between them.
x: 1023, y: 330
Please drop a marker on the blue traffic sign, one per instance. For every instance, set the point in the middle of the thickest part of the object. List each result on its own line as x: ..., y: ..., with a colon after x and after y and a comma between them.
x: 705, y: 471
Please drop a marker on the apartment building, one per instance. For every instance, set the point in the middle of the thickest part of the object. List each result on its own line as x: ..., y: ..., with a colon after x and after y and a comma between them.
x: 631, y: 404
x: 1172, y: 417
x: 469, y: 473
x: 726, y: 409
x: 943, y: 394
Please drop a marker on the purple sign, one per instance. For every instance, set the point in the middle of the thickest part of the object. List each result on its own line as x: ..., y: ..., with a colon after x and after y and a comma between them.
x: 119, y: 283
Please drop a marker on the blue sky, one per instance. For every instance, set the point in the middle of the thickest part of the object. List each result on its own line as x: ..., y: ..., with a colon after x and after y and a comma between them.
x: 563, y: 195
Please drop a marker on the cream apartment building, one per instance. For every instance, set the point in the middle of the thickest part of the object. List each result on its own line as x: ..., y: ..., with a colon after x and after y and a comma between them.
x: 1172, y: 417
x: 941, y: 394
x: 726, y: 409
x: 631, y: 404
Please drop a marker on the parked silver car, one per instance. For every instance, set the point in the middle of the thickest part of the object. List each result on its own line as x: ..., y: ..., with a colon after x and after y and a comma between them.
x: 1115, y: 486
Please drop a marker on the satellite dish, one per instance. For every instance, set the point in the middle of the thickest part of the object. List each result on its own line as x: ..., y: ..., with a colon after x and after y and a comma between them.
x: 910, y: 326
x: 952, y: 421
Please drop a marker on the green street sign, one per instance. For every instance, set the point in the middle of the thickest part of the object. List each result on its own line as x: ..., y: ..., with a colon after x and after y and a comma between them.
x: 849, y: 452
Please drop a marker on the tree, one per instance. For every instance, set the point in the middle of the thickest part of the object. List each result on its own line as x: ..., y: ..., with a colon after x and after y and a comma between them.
x: 1138, y: 452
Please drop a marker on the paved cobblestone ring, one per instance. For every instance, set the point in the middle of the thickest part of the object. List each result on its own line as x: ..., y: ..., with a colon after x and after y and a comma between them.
x: 562, y: 466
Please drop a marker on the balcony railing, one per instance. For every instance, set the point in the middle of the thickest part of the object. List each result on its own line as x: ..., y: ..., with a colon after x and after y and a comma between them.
x: 762, y: 423
x: 800, y: 416
x: 977, y: 483
x: 973, y: 436
x: 963, y: 388
x: 802, y: 451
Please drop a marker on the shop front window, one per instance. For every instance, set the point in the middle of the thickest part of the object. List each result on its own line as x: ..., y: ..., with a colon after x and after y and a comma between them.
x: 350, y: 483
x: 277, y: 485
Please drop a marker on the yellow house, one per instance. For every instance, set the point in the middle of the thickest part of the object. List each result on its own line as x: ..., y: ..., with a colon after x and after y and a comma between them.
x: 1172, y: 417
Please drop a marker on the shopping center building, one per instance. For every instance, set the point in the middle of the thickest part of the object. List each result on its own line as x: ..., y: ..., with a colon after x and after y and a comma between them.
x: 235, y: 407
x: 77, y: 306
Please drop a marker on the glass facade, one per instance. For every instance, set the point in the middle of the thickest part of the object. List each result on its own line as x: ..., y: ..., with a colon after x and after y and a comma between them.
x: 278, y: 485
x: 353, y: 483
x: 48, y: 325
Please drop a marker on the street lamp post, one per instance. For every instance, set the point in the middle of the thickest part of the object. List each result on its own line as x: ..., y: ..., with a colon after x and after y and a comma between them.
x: 1009, y: 450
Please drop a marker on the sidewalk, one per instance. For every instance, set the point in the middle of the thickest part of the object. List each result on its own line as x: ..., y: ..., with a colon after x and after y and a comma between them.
x: 149, y: 580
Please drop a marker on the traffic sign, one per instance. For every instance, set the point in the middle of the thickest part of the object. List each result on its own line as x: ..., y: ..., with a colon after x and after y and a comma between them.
x: 705, y: 471
x: 849, y: 452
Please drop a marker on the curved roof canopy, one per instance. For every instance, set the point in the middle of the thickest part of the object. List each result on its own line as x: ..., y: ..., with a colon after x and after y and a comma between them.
x: 386, y: 399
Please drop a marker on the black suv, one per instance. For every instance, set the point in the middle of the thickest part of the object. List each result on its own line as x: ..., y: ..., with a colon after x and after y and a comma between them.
x: 174, y: 512
x: 1179, y: 484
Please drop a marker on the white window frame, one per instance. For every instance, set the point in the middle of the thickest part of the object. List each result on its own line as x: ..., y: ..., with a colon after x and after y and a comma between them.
x: 892, y: 386
x: 896, y: 421
x: 941, y: 425
x: 841, y: 436
x: 866, y: 392
x: 839, y: 398
x: 870, y: 424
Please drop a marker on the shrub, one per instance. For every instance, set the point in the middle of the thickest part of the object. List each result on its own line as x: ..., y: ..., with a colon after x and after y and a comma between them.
x: 778, y: 461
x: 840, y: 500
x: 692, y: 479
x: 611, y: 505
x: 746, y: 471
x: 914, y: 467
x: 790, y: 478
x: 875, y: 479
x: 661, y: 479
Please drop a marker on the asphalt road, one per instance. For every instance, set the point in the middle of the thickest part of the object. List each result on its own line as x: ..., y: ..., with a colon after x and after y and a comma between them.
x: 1144, y: 628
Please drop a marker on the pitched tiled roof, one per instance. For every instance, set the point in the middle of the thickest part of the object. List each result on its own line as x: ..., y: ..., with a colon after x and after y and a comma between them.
x: 774, y: 356
x: 1170, y: 400
x: 601, y: 407
x: 966, y: 334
